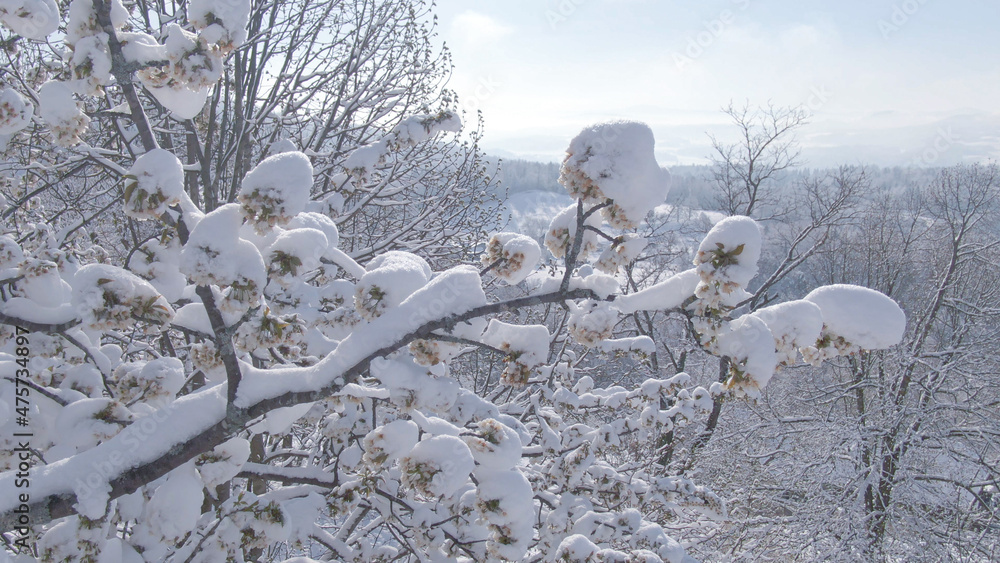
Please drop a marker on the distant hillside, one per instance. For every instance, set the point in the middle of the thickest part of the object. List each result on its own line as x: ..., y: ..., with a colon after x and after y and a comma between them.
x: 693, y: 186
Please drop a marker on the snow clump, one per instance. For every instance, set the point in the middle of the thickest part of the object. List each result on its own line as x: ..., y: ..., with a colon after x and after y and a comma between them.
x: 562, y: 230
x: 517, y: 256
x: 155, y: 182
x: 526, y: 347
x: 615, y: 161
x: 390, y: 279
x: 31, y: 19
x: 66, y: 119
x: 438, y: 466
x: 215, y: 254
x: 108, y: 298
x: 854, y: 318
x: 276, y: 190
x: 15, y: 112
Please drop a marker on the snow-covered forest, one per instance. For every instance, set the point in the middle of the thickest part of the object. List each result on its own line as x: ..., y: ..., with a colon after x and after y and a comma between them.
x: 263, y: 297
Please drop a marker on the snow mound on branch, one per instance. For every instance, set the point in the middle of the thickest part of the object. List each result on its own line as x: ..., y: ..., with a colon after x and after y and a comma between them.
x: 216, y: 254
x: 313, y: 220
x: 223, y: 463
x: 390, y: 279
x: 11, y: 253
x: 750, y: 346
x: 861, y: 316
x: 667, y: 294
x: 159, y: 263
x: 592, y: 322
x: 506, y: 503
x: 31, y: 19
x: 108, y: 297
x: 141, y: 47
x: 418, y: 128
x: 526, y: 346
x: 295, y: 251
x: 85, y: 423
x: 83, y: 19
x: 518, y: 254
x: 276, y: 190
x: 576, y: 548
x: 438, y: 466
x: 15, y: 111
x: 389, y: 442
x: 91, y: 64
x: 157, y: 381
x: 794, y: 325
x: 221, y: 22
x: 625, y: 249
x: 157, y: 182
x: 494, y: 445
x: 176, y: 505
x: 411, y: 387
x: 730, y: 250
x: 59, y: 109
x: 182, y: 102
x: 615, y: 161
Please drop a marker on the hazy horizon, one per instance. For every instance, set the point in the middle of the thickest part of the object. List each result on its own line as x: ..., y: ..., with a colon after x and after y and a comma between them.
x: 911, y: 82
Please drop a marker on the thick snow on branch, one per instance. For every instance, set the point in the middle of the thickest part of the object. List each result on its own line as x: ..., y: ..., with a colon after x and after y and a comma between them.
x: 615, y: 161
x: 31, y: 19
x: 854, y: 318
x: 517, y: 255
x: 15, y: 112
x: 667, y: 294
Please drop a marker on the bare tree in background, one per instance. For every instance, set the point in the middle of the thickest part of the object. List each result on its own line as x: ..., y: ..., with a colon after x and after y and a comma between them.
x: 744, y: 170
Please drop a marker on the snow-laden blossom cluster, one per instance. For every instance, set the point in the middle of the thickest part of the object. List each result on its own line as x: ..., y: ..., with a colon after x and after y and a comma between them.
x: 32, y: 19
x: 15, y: 111
x: 613, y: 163
x: 155, y: 182
x: 63, y: 114
x: 514, y: 255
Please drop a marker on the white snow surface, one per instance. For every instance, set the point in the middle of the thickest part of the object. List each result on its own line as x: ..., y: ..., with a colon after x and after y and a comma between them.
x: 727, y: 236
x: 15, y: 111
x: 93, y: 281
x: 618, y: 158
x: 141, y: 47
x: 532, y: 341
x: 393, y: 440
x: 453, y: 291
x: 449, y: 459
x: 158, y: 172
x: 139, y: 443
x: 397, y: 274
x: 31, y: 19
x: 56, y: 104
x: 748, y: 342
x: 214, y: 252
x: 794, y: 325
x: 285, y: 178
x: 313, y: 220
x: 562, y: 230
x: 520, y: 254
x: 231, y: 16
x: 862, y: 316
x: 183, y: 102
x: 176, y: 505
x: 667, y: 294
x: 419, y: 128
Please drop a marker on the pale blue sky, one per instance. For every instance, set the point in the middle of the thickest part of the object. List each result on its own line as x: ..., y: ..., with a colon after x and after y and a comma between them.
x: 885, y: 81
